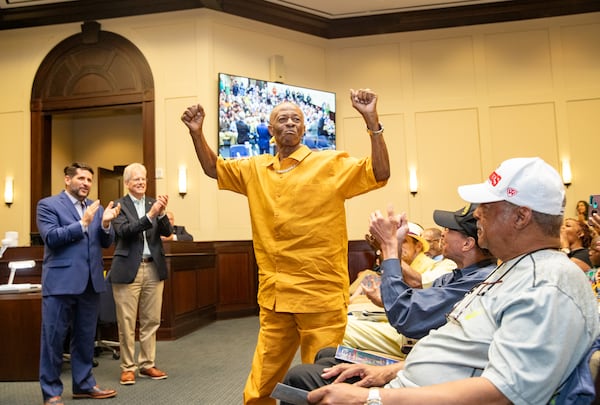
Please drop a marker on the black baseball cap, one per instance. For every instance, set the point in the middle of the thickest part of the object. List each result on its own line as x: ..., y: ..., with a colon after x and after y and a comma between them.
x: 461, y: 220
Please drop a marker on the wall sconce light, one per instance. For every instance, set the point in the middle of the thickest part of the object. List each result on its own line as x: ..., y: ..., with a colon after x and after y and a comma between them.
x: 566, y: 172
x: 413, y: 183
x: 182, y: 181
x: 9, y: 191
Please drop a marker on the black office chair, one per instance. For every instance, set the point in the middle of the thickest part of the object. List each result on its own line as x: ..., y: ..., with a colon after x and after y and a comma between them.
x: 107, y: 317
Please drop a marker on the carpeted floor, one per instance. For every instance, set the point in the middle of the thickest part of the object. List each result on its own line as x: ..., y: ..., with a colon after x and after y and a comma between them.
x: 206, y: 367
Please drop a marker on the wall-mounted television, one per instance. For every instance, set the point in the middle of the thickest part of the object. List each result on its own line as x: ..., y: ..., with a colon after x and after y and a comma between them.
x: 245, y: 105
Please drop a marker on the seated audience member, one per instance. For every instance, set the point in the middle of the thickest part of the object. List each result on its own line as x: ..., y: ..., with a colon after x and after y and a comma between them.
x: 516, y: 337
x: 367, y: 276
x: 179, y: 232
x: 575, y: 238
x: 581, y: 210
x: 415, y: 263
x: 419, y: 272
x: 412, y: 313
x: 433, y: 236
x: 594, y: 222
x: 594, y: 253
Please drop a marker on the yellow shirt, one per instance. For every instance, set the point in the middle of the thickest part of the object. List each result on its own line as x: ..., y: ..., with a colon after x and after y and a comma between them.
x: 430, y: 269
x: 299, y: 223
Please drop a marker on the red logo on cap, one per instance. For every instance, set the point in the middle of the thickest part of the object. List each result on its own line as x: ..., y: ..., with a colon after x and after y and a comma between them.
x: 511, y: 192
x: 495, y: 179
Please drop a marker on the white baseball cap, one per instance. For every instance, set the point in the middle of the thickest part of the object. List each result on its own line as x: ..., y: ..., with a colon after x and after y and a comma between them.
x: 526, y: 182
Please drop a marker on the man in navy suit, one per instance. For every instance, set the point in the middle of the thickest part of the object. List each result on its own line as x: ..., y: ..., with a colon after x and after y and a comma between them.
x: 74, y: 230
x: 138, y: 272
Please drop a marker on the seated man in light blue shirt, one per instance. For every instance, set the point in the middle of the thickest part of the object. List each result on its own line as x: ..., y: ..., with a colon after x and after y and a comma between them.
x: 517, y: 336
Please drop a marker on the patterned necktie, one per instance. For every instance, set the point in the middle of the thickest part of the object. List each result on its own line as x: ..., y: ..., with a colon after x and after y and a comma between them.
x: 81, y: 207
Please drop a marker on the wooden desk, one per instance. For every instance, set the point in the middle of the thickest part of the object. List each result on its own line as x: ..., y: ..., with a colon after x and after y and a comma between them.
x: 21, y: 320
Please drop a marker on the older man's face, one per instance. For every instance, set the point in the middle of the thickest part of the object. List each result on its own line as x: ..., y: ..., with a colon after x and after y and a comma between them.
x: 491, y: 219
x: 410, y: 249
x: 287, y: 124
x: 452, y: 244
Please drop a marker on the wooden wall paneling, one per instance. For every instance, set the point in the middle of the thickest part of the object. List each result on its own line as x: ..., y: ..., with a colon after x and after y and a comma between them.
x: 21, y: 320
x: 189, y: 298
x: 237, y: 278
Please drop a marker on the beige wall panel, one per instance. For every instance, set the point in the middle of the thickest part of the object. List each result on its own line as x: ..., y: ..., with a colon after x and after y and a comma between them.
x: 443, y: 69
x: 62, y: 152
x: 396, y: 190
x: 247, y: 53
x: 205, y: 210
x: 523, y: 131
x: 14, y: 163
x: 170, y: 49
x: 199, y: 210
x: 22, y: 52
x: 584, y: 133
x: 448, y: 152
x: 580, y: 46
x: 375, y: 66
x: 518, y: 62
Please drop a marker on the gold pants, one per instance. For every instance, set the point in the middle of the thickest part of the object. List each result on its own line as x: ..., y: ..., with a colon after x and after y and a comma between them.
x: 278, y: 339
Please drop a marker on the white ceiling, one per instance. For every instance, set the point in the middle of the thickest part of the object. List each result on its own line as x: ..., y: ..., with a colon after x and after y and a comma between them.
x: 355, y: 8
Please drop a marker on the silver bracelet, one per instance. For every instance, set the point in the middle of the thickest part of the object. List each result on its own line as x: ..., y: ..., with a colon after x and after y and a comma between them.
x: 375, y: 133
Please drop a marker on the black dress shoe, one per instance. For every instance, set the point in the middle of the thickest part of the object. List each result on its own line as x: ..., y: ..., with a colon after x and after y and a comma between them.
x: 95, y: 393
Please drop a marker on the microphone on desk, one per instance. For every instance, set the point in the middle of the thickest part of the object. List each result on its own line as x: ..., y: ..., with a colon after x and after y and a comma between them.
x: 14, y: 266
x: 5, y: 245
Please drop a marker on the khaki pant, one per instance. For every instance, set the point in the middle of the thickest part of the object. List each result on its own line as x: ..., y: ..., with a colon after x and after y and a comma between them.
x: 144, y: 293
x: 278, y: 339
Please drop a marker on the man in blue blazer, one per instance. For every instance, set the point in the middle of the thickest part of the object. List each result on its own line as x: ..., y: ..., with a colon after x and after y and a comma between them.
x: 138, y: 272
x: 74, y: 230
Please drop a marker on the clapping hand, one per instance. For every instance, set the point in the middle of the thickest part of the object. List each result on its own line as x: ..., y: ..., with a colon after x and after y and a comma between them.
x: 110, y: 212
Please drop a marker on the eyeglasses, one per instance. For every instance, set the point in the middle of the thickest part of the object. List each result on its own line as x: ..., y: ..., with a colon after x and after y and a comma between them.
x: 478, y: 290
x: 138, y: 180
x: 481, y: 289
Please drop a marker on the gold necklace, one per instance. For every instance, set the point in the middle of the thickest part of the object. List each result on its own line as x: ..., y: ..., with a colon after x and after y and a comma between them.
x: 292, y: 167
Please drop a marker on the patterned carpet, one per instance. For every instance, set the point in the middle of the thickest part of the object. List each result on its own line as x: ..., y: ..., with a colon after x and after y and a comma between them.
x: 207, y: 367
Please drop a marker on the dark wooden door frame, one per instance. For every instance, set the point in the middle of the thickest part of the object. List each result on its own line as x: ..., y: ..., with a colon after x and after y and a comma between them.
x: 91, y: 70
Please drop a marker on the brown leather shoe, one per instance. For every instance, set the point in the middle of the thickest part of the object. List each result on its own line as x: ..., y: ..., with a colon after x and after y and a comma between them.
x: 54, y: 401
x: 95, y: 393
x: 127, y: 378
x: 154, y: 373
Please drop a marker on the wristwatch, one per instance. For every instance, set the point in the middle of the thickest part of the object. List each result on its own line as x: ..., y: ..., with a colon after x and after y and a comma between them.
x: 373, y: 398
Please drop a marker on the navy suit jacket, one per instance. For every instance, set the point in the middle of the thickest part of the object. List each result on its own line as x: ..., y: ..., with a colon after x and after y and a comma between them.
x: 129, y: 231
x: 71, y: 256
x: 181, y: 233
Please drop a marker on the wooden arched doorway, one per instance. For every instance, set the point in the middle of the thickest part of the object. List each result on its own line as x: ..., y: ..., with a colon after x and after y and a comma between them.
x: 88, y: 71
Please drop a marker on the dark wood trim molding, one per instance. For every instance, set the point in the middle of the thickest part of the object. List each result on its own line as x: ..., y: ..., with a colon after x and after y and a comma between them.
x: 270, y: 13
